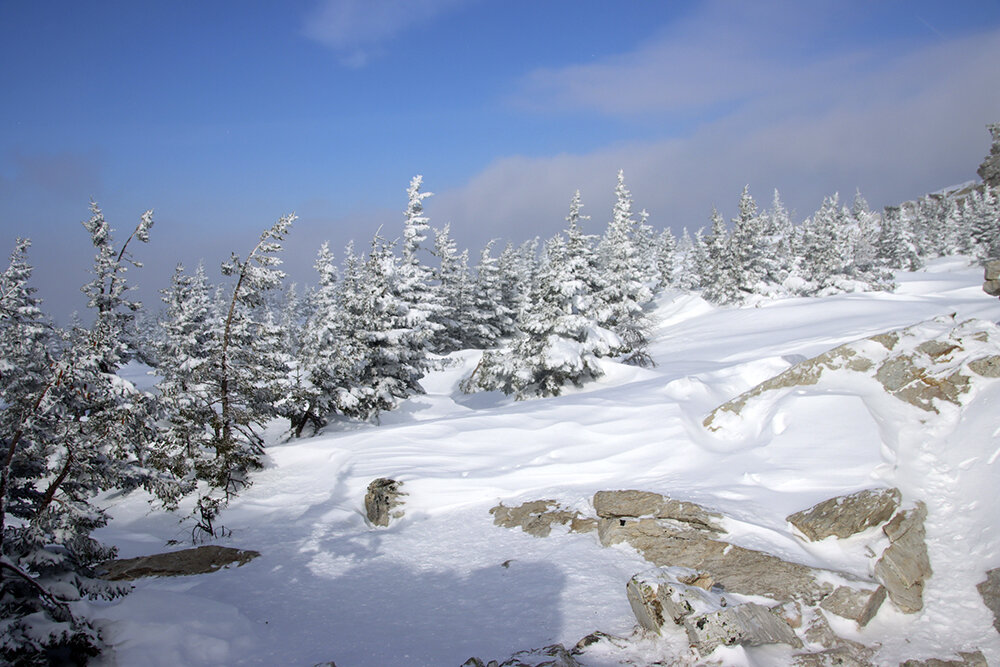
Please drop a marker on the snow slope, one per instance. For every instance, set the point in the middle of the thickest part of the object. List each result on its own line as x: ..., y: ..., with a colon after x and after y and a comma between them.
x: 444, y: 584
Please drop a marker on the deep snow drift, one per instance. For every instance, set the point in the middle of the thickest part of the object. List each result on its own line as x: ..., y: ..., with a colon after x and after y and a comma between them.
x: 444, y: 583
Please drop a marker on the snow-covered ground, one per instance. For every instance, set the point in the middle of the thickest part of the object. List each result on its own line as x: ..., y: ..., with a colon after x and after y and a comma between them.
x: 432, y: 589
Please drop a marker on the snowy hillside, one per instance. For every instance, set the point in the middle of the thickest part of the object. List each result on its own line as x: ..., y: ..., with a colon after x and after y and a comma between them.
x: 443, y: 583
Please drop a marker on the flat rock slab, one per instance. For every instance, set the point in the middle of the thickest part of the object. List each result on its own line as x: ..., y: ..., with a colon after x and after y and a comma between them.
x: 844, y: 516
x: 905, y: 565
x: 200, y: 560
x: 632, y: 503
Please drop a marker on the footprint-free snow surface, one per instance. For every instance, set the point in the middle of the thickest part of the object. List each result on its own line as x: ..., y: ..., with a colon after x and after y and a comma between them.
x: 443, y: 583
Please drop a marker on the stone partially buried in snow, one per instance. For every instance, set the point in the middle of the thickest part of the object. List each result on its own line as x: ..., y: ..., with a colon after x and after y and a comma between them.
x: 905, y: 565
x: 632, y: 503
x: 990, y: 592
x: 926, y: 365
x: 536, y: 517
x: 200, y: 560
x: 844, y: 516
x: 382, y: 499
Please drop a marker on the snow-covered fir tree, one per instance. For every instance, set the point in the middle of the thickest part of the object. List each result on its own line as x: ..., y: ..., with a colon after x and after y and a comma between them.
x: 558, y: 343
x: 490, y: 315
x: 186, y: 347
x: 454, y: 289
x: 241, y: 379
x: 70, y: 429
x: 321, y: 381
x: 717, y: 276
x: 666, y: 256
x: 389, y: 354
x: 894, y: 248
x: 414, y: 276
x: 750, y: 249
x: 626, y: 293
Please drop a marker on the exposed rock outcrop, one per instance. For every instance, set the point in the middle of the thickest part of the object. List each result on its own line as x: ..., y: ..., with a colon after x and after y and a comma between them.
x: 989, y: 170
x: 199, y: 560
x: 844, y: 516
x: 905, y: 565
x: 990, y: 592
x: 922, y: 365
x: 382, y: 499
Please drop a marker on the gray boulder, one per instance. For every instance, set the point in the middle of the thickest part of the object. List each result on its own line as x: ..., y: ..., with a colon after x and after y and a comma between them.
x: 632, y: 503
x: 905, y: 565
x: 858, y: 604
x: 381, y: 501
x: 844, y: 516
x: 990, y: 592
x: 991, y: 277
x: 199, y: 560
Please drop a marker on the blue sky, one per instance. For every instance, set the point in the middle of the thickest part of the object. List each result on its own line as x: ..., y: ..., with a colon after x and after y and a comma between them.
x: 222, y: 116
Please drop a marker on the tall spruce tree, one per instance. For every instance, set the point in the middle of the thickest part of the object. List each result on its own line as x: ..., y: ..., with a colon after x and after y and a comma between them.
x: 626, y: 293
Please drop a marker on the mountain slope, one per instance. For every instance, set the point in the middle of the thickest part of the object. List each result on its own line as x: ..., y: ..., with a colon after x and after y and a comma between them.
x: 443, y: 583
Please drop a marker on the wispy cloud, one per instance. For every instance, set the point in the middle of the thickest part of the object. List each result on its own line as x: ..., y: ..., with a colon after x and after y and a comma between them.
x: 893, y: 119
x: 358, y: 29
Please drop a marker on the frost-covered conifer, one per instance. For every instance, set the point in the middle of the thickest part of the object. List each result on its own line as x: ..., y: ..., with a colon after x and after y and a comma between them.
x: 322, y: 380
x: 242, y: 377
x: 862, y: 237
x: 70, y: 429
x: 413, y: 276
x: 490, y: 315
x: 983, y: 215
x: 750, y: 249
x: 454, y: 293
x: 718, y: 281
x: 390, y: 354
x: 558, y: 344
x: 188, y: 341
x: 825, y: 252
x: 894, y: 248
x: 666, y: 256
x: 626, y: 293
x: 515, y: 284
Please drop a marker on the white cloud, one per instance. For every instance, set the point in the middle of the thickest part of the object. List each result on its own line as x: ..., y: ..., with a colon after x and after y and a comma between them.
x: 356, y: 29
x: 893, y: 122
